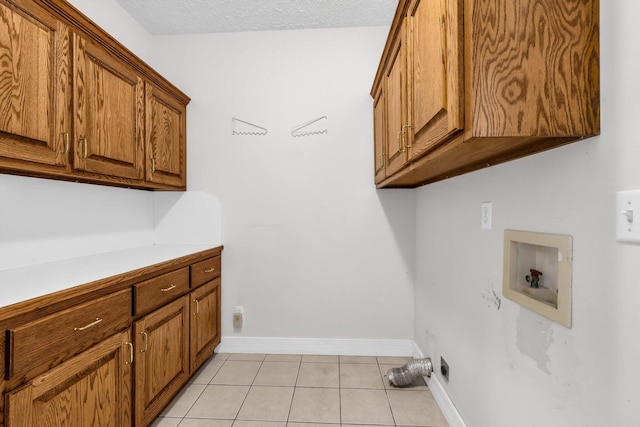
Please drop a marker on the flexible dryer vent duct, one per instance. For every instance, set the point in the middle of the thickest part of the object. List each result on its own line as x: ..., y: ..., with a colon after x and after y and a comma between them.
x: 406, y: 375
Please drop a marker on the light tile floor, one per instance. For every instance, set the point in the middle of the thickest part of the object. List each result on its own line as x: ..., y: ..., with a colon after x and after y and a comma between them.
x: 257, y: 390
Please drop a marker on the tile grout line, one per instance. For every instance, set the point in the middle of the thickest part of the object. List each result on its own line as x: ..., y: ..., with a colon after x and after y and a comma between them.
x: 248, y: 391
x: 201, y: 393
x: 339, y: 390
x: 295, y: 386
x: 386, y: 393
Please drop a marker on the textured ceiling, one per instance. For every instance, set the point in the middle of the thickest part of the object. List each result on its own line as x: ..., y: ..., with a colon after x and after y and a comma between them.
x: 214, y: 16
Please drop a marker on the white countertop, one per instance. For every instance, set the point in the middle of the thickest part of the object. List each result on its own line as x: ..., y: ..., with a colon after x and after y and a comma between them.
x: 22, y: 284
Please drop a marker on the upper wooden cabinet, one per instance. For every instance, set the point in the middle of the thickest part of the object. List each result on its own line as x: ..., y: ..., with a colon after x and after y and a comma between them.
x: 165, y: 138
x: 379, y: 132
x: 35, y: 97
x: 434, y: 68
x: 395, y: 84
x: 108, y: 109
x: 486, y: 82
x: 79, y: 106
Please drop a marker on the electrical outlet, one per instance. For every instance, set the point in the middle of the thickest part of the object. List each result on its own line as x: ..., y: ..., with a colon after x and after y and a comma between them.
x: 238, y: 317
x: 444, y: 369
x: 237, y: 320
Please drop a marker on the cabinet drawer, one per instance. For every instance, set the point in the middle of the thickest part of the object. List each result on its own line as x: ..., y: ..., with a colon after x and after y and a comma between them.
x: 160, y: 290
x: 37, y: 346
x: 203, y: 271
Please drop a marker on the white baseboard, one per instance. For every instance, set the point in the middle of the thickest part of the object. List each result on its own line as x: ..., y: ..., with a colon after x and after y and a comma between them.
x: 445, y: 404
x: 344, y: 347
x: 441, y: 397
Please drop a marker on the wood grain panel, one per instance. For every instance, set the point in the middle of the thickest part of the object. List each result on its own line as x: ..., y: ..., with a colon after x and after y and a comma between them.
x: 165, y: 138
x: 42, y: 344
x: 490, y: 81
x: 205, y: 322
x: 396, y: 93
x: 535, y: 68
x: 162, y: 366
x: 33, y: 85
x: 109, y: 112
x: 92, y: 389
x: 428, y: 61
x: 379, y: 133
x: 435, y: 72
x: 205, y: 271
x: 153, y: 293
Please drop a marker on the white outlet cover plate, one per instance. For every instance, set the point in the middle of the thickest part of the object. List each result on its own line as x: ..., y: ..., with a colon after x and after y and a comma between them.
x: 628, y: 216
x: 486, y: 215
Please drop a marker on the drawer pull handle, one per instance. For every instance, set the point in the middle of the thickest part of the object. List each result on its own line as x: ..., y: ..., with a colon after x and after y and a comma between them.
x: 197, y: 307
x: 210, y: 270
x: 130, y: 353
x: 168, y: 289
x: 94, y: 323
x: 145, y: 336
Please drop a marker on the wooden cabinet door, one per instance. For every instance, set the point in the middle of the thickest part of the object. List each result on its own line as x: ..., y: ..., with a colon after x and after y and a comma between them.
x: 165, y: 138
x: 534, y: 71
x: 162, y: 362
x: 109, y: 113
x: 205, y: 322
x: 92, y: 389
x: 34, y: 88
x: 396, y: 92
x: 379, y: 134
x: 435, y: 64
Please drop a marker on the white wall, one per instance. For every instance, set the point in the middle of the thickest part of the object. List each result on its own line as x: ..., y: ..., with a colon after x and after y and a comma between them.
x: 510, y: 367
x: 112, y: 18
x: 44, y: 220
x: 311, y: 249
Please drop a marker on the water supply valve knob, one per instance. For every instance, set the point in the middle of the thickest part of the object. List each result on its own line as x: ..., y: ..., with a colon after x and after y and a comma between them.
x: 534, y: 278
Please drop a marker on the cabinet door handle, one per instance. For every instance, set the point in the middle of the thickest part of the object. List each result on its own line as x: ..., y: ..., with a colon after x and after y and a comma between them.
x: 95, y: 322
x: 85, y: 147
x: 210, y: 270
x: 153, y: 165
x: 145, y: 336
x: 168, y: 289
x: 399, y: 143
x: 403, y: 137
x: 66, y: 142
x: 197, y: 307
x: 130, y: 353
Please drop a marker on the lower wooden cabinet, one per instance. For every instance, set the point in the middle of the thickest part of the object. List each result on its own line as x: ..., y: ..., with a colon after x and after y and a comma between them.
x: 205, y: 322
x: 162, y: 368
x: 91, y: 389
x: 112, y: 360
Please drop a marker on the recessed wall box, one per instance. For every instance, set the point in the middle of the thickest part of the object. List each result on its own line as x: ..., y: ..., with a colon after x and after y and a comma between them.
x: 537, y: 273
